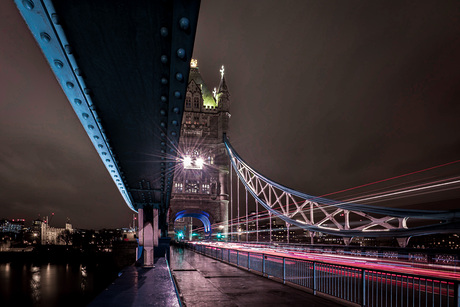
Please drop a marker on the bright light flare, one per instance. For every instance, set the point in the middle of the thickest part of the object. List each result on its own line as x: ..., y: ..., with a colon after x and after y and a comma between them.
x: 199, y: 162
x: 187, y: 161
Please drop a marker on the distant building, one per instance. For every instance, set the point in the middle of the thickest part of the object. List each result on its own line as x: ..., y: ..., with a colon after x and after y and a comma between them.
x: 55, y: 236
x: 12, y: 226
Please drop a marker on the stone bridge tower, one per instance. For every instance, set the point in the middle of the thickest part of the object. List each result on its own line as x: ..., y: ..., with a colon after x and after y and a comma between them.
x: 201, y: 179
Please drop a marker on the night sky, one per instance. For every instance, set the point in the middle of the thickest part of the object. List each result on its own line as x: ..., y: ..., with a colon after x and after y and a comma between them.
x: 326, y: 95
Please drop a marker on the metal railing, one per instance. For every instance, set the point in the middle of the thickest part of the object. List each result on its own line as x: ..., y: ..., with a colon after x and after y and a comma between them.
x: 364, y: 287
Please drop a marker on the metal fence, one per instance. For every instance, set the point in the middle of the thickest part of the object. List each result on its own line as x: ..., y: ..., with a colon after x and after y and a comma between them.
x: 356, y: 285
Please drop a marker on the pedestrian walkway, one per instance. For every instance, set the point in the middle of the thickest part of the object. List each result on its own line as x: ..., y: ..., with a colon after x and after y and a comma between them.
x: 203, y: 281
x: 139, y: 286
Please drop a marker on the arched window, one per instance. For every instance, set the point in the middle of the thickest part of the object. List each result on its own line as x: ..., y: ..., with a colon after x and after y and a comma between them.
x: 196, y: 102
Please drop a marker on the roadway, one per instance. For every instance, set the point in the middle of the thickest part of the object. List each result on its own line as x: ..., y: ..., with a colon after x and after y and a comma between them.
x: 369, y: 263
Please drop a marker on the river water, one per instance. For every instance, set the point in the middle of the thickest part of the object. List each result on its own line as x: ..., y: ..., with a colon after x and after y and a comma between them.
x: 52, y: 285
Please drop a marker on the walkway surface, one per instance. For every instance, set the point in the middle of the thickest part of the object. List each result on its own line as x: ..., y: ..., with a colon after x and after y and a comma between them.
x: 203, y: 281
x: 139, y: 286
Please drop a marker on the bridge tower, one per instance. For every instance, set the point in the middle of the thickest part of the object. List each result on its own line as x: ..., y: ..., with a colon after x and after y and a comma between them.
x: 201, y: 179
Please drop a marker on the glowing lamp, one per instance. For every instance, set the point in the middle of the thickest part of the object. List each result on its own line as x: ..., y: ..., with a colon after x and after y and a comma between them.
x: 199, y: 162
x: 187, y: 161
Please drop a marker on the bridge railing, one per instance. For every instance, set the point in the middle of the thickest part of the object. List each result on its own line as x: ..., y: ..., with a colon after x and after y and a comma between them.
x: 358, y: 286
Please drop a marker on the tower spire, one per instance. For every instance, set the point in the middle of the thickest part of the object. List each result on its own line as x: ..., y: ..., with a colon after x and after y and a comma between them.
x: 222, y: 95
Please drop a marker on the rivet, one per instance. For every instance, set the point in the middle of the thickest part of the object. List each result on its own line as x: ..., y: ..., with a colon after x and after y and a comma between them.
x: 45, y: 37
x: 162, y: 174
x: 162, y: 112
x: 162, y: 124
x: 184, y: 23
x: 119, y: 183
x: 181, y: 53
x: 118, y: 180
x: 85, y: 115
x: 77, y: 71
x: 28, y: 4
x: 164, y: 81
x: 55, y: 18
x: 173, y: 133
x: 162, y: 164
x: 77, y: 101
x: 163, y: 143
x: 162, y: 169
x: 110, y: 165
x: 113, y: 171
x: 164, y: 59
x: 179, y: 76
x: 163, y: 99
x: 171, y: 150
x: 58, y: 64
x: 100, y: 146
x: 69, y: 85
x: 162, y: 134
x: 164, y: 32
x: 96, y: 137
x: 87, y: 91
x: 103, y: 153
x: 107, y: 160
x: 68, y: 49
x: 176, y: 110
x: 91, y: 127
x: 116, y: 176
x: 162, y: 158
x: 162, y: 151
x: 175, y: 122
x: 177, y: 94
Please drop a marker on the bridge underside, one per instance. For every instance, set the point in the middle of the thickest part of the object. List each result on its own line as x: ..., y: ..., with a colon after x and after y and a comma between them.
x: 124, y: 67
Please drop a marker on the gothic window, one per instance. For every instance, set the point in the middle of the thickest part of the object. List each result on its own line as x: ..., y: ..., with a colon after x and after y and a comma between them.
x: 178, y: 186
x: 192, y: 186
x: 205, y: 188
x: 188, y: 102
x: 196, y: 120
x: 188, y: 119
x: 196, y: 102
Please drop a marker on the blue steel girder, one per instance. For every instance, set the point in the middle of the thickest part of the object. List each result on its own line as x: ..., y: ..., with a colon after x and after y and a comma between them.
x: 123, y: 66
x: 270, y: 194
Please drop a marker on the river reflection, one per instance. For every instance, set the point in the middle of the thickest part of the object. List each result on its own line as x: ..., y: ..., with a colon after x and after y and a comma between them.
x: 51, y: 284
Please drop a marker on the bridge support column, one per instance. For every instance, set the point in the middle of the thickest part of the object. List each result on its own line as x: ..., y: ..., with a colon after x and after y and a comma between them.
x: 347, y: 240
x: 312, y: 236
x: 148, y: 233
x: 402, y: 242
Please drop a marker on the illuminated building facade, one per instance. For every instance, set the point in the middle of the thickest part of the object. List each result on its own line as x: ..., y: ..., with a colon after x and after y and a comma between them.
x: 201, y: 178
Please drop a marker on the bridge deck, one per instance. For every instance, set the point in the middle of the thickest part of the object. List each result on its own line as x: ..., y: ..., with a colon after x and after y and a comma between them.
x: 203, y: 281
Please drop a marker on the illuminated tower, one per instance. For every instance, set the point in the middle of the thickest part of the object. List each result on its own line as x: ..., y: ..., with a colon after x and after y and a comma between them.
x: 201, y: 180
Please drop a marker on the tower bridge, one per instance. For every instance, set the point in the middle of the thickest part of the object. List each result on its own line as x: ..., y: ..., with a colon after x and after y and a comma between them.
x: 161, y: 134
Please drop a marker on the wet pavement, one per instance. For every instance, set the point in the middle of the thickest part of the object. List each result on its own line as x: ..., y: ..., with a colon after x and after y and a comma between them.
x: 139, y: 286
x: 203, y: 281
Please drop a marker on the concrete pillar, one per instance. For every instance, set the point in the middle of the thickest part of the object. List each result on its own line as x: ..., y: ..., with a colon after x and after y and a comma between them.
x: 148, y: 233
